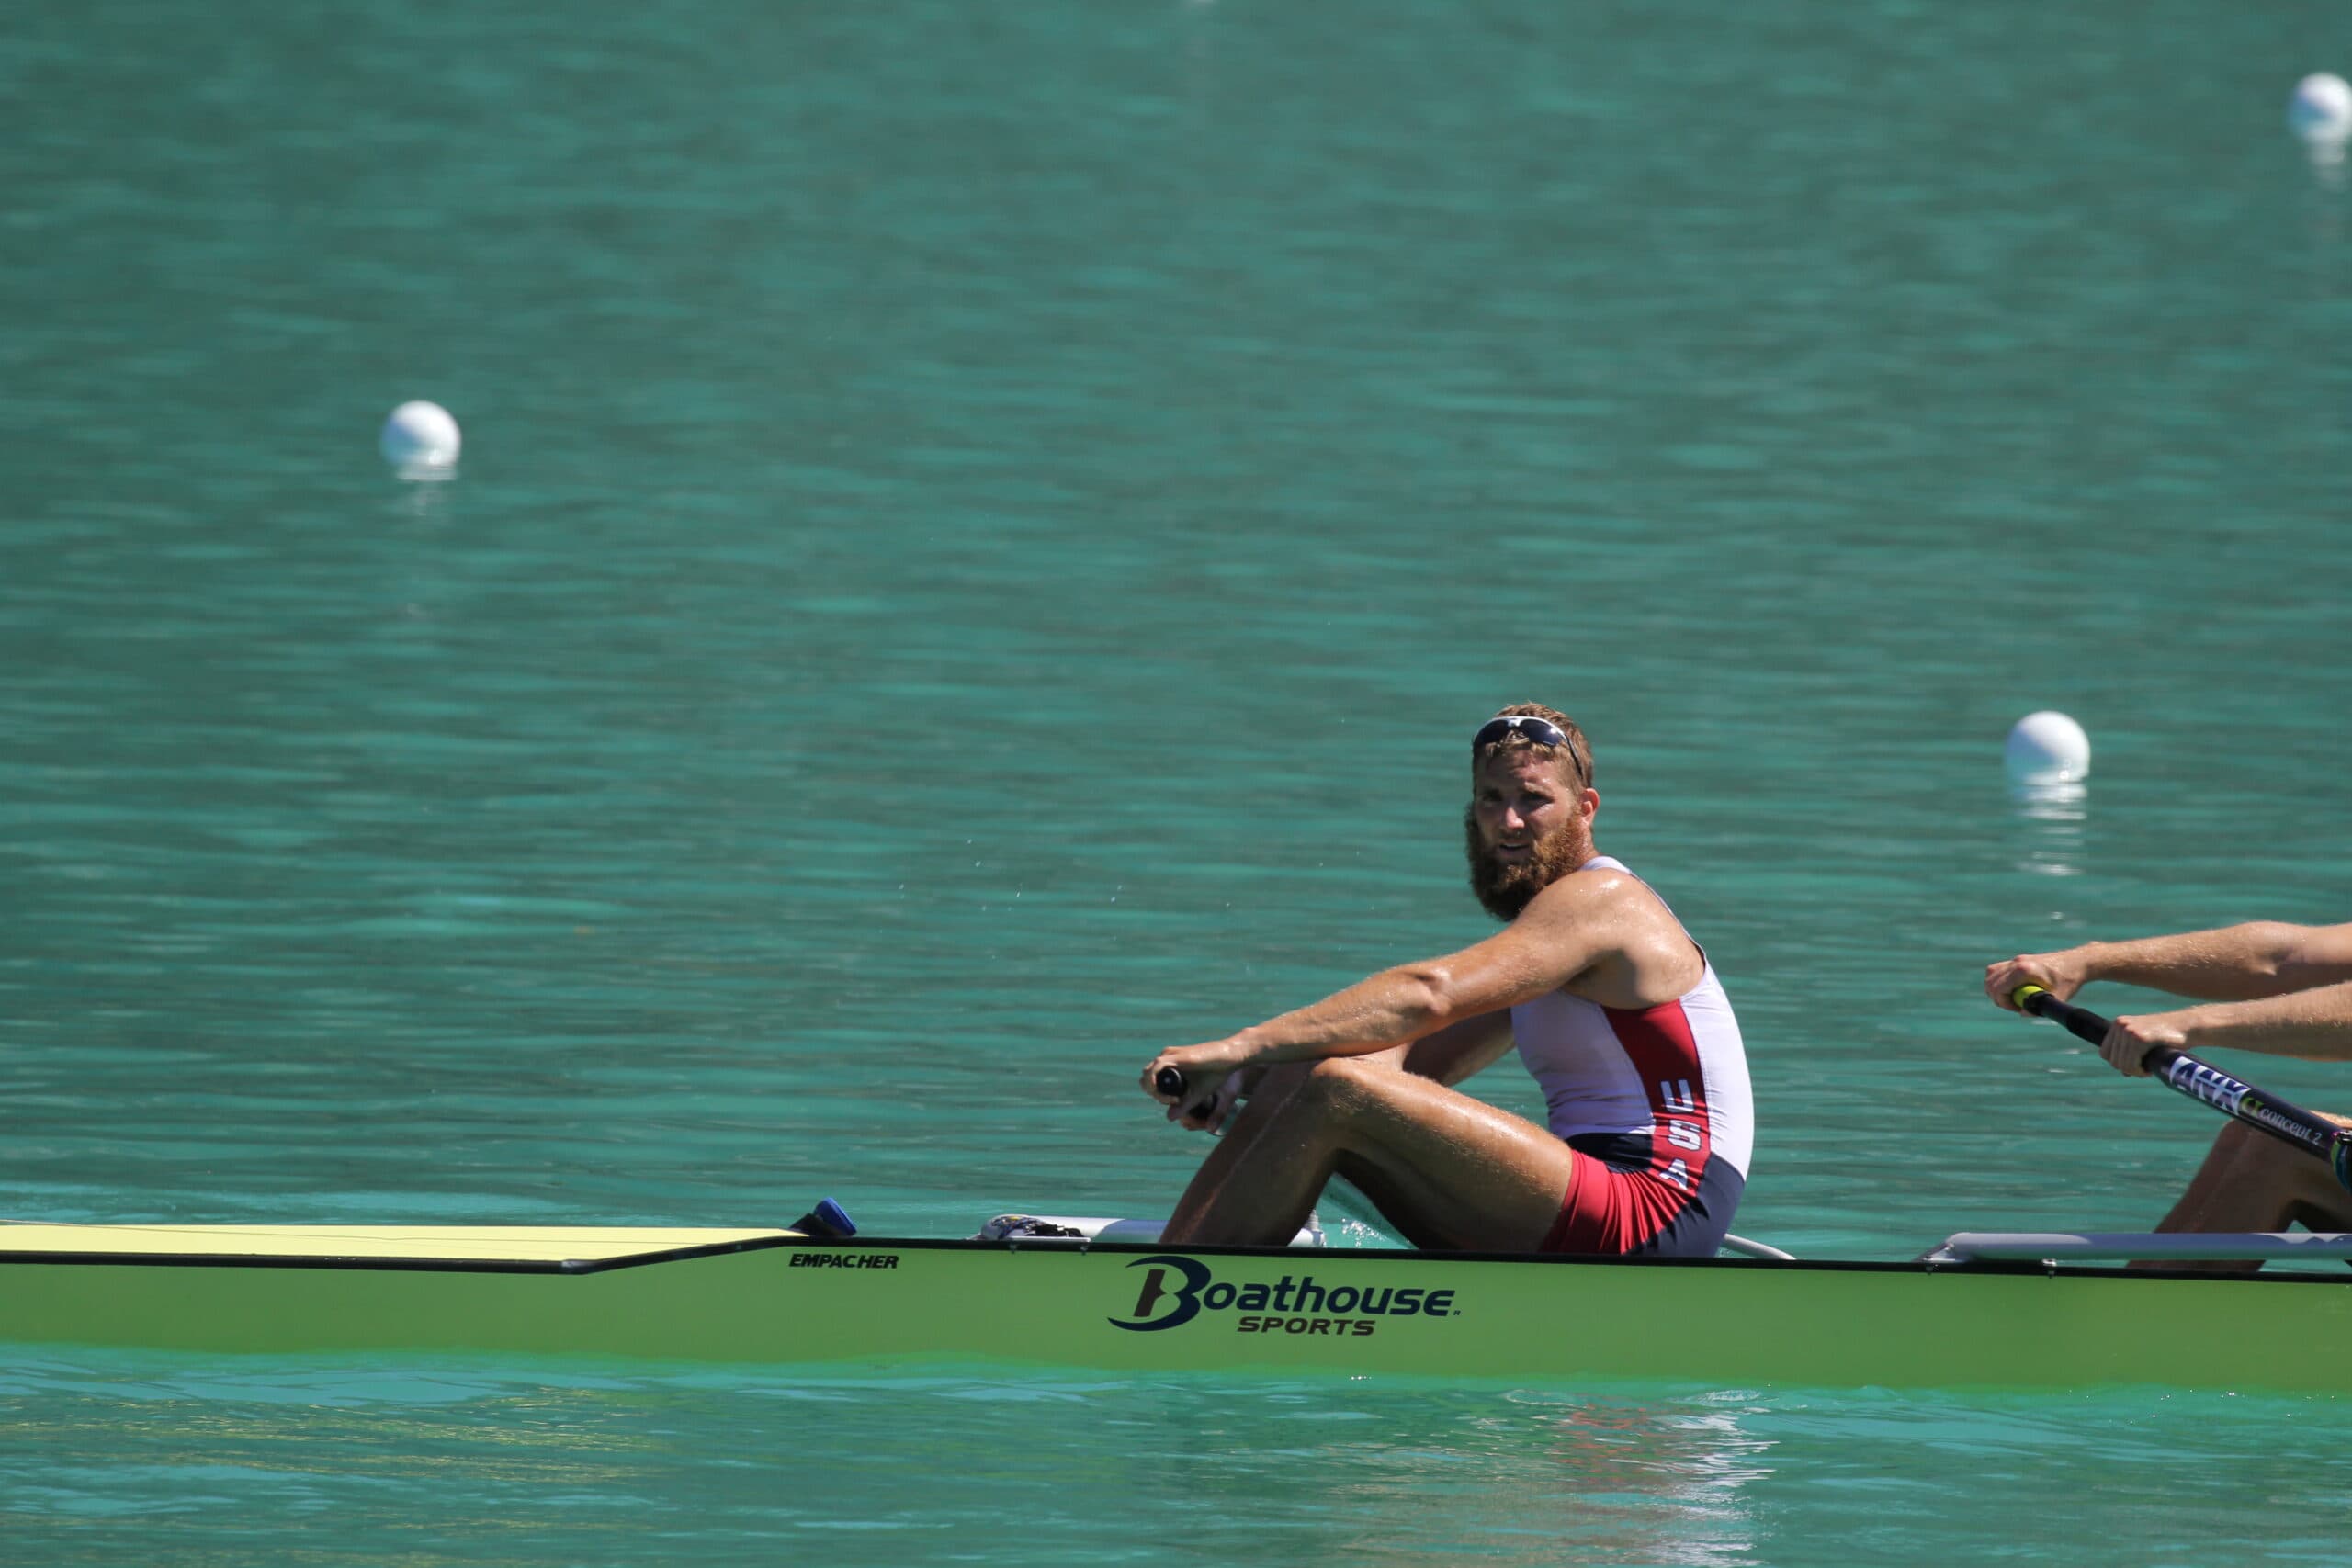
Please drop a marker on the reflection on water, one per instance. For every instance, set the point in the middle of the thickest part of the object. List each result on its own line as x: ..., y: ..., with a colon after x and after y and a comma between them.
x: 428, y: 501
x: 2324, y: 222
x: 2327, y: 162
x: 2053, y: 816
x: 1039, y: 1469
x: 1622, y: 1460
x: 1590, y: 1479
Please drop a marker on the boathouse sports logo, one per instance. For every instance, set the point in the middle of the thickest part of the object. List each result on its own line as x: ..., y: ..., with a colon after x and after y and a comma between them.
x: 1175, y: 1290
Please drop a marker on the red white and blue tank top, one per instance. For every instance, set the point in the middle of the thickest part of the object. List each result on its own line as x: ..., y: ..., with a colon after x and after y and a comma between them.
x: 1676, y: 1074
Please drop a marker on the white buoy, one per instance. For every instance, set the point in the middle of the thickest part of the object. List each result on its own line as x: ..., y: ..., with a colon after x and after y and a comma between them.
x: 2321, y: 111
x: 421, y: 440
x: 2047, y: 747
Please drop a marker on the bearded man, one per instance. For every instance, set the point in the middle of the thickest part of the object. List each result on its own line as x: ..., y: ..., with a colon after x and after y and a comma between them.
x: 1614, y: 1010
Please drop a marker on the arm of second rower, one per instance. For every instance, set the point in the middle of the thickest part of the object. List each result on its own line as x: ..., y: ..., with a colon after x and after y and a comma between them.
x: 2258, y: 958
x: 2315, y: 1024
x: 1572, y: 926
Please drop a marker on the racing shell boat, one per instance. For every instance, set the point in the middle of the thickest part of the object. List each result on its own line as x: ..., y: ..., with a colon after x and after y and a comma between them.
x: 1980, y: 1311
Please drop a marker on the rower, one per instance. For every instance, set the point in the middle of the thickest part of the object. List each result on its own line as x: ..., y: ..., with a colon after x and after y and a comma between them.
x: 1613, y: 1008
x: 2282, y: 989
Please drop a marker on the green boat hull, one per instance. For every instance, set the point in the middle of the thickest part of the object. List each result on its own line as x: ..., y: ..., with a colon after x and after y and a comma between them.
x: 782, y: 1301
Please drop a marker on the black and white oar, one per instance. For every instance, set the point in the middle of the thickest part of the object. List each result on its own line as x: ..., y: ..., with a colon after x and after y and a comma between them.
x: 2201, y: 1081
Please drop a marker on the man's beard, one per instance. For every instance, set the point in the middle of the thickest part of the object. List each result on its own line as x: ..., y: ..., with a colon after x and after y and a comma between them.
x: 1506, y: 888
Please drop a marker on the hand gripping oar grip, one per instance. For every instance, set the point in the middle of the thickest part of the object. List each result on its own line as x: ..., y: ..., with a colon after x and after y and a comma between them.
x: 2080, y: 1022
x: 1169, y: 1081
x: 2201, y: 1080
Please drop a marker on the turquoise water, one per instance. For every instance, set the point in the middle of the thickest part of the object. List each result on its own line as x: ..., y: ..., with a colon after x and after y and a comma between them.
x: 983, y: 532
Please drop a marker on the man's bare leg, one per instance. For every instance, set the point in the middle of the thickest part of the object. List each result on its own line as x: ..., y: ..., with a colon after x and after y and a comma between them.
x: 1279, y: 1084
x: 2252, y: 1182
x: 1245, y: 1129
x: 1448, y: 1169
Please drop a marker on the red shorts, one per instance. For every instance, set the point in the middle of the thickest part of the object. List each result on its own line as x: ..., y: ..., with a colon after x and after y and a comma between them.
x: 1618, y: 1206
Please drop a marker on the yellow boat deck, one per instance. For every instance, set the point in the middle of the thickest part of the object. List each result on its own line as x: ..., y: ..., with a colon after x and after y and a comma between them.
x: 480, y: 1245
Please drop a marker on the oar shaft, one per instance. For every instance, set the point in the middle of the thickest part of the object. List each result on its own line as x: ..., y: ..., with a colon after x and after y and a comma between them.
x: 2229, y: 1095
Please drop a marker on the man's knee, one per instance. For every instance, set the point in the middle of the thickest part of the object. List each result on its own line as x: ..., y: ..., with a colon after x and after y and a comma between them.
x: 1287, y: 1088
x: 2249, y: 1154
x: 2244, y: 1141
x: 1281, y: 1081
x: 1342, y: 1083
x: 2237, y: 1139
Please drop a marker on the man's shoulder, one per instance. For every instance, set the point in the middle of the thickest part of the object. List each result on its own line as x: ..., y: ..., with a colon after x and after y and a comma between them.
x: 1588, y: 890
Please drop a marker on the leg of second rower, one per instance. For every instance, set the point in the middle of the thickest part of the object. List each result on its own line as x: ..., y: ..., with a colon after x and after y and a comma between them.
x: 2251, y: 1183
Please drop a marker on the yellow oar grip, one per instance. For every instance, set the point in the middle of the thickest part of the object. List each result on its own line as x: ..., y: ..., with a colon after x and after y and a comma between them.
x: 2018, y: 997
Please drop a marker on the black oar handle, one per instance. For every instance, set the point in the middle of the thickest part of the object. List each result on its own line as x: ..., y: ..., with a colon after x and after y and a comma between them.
x: 2201, y: 1080
x: 2081, y: 1022
x: 1169, y: 1081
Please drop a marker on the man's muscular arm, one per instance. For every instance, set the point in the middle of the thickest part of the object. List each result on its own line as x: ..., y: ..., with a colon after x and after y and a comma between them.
x: 2314, y: 1023
x: 2241, y: 962
x: 1460, y: 1050
x: 1569, y: 926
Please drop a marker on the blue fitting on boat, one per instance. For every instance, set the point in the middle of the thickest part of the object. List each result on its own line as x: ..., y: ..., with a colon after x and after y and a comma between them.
x: 826, y: 1221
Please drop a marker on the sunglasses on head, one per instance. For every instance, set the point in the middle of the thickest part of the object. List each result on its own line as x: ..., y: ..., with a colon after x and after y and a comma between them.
x: 1543, y: 731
